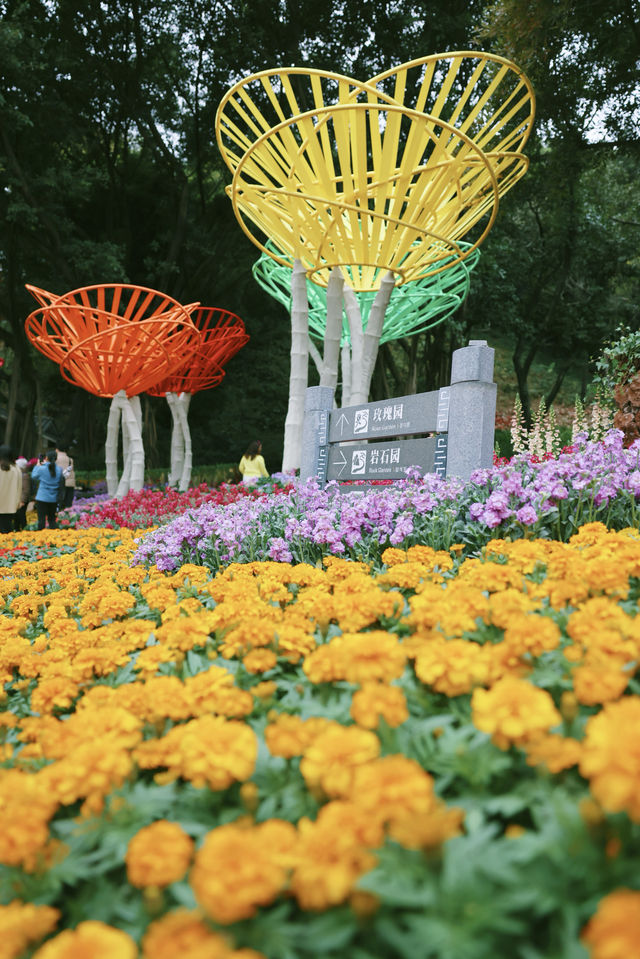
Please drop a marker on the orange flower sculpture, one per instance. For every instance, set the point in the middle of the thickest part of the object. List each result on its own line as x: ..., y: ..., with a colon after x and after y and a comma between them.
x: 114, y: 340
x: 222, y: 334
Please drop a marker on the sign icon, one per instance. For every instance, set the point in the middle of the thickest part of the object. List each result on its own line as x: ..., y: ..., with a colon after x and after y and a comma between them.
x: 361, y: 421
x: 358, y: 462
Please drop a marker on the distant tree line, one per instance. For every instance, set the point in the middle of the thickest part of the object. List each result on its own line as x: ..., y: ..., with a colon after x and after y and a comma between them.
x: 109, y: 172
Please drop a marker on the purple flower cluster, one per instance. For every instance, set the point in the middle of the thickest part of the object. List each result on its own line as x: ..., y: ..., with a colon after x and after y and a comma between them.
x: 552, y: 498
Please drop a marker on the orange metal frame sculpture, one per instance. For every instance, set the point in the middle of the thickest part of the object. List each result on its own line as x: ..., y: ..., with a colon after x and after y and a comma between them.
x: 112, y: 337
x: 222, y: 334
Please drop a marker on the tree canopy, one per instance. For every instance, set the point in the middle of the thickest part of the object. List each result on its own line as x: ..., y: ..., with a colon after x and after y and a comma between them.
x: 109, y: 171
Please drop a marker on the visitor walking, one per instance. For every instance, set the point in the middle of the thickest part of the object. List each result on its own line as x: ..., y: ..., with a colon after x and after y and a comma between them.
x: 67, y: 487
x: 10, y: 489
x: 20, y: 520
x: 49, y: 476
x: 252, y: 464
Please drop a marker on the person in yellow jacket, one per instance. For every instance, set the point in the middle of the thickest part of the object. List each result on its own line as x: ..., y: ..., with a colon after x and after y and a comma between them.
x: 252, y: 464
x: 10, y: 489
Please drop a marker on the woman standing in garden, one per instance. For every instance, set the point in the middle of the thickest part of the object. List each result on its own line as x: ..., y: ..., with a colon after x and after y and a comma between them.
x: 48, y: 475
x: 10, y: 489
x: 252, y: 464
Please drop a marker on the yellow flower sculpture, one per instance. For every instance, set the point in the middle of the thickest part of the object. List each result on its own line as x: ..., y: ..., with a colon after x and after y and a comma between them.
x: 387, y: 174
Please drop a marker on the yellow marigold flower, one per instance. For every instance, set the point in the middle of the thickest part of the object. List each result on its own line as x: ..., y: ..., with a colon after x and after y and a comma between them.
x: 329, y: 763
x: 358, y: 658
x: 614, y: 931
x: 376, y: 701
x: 611, y: 756
x: 183, y: 935
x: 453, y: 666
x: 593, y: 685
x: 208, y: 751
x: 54, y: 693
x: 391, y: 788
x: 28, y: 807
x: 330, y: 858
x: 159, y: 854
x: 392, y: 556
x: 527, y: 633
x: 235, y: 871
x: 425, y: 832
x: 264, y: 690
x: 554, y: 752
x: 89, y: 939
x: 21, y: 924
x: 259, y: 660
x: 90, y: 771
x: 289, y: 736
x: 513, y: 712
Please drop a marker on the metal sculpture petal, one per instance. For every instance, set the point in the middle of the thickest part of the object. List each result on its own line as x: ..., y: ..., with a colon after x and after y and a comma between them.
x: 391, y: 175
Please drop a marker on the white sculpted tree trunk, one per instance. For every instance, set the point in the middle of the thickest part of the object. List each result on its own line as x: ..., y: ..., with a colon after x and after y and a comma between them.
x: 364, y: 344
x: 181, y: 453
x: 298, y: 376
x: 332, y: 331
x: 129, y: 412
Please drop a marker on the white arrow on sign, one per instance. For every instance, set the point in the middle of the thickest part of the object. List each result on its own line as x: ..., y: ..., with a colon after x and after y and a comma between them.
x: 341, y: 463
x: 342, y: 422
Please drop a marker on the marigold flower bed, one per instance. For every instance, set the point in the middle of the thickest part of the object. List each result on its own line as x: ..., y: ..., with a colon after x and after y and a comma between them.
x: 435, y: 757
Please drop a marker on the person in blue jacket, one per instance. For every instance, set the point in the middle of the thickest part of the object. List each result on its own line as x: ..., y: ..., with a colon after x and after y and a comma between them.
x: 48, y: 476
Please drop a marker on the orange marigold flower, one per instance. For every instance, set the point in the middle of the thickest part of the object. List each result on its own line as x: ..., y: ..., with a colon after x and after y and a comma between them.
x: 614, y: 931
x: 358, y: 658
x: 93, y: 939
x: 513, y: 712
x: 554, y: 752
x: 425, y: 832
x: 264, y: 690
x: 453, y: 666
x: 330, y: 858
x: 329, y: 762
x: 592, y: 684
x: 21, y: 924
x: 236, y: 871
x: 611, y: 756
x: 58, y: 692
x: 376, y: 701
x: 289, y: 736
x: 208, y: 751
x: 259, y: 660
x: 183, y: 934
x: 392, y: 788
x: 159, y: 854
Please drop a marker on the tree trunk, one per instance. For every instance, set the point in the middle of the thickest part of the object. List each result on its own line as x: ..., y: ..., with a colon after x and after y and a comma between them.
x: 333, y: 330
x: 298, y: 376
x: 177, y: 441
x: 184, y: 401
x: 345, y: 397
x: 371, y: 340
x: 133, y: 470
x: 111, y: 443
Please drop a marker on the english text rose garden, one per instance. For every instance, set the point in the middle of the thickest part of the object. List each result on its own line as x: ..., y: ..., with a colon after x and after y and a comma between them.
x: 282, y: 723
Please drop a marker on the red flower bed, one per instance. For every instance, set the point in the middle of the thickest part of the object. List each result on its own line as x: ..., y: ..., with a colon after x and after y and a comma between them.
x: 142, y: 508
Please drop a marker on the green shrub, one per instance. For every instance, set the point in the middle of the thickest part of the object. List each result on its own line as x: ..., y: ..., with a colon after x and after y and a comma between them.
x: 211, y: 475
x: 617, y: 363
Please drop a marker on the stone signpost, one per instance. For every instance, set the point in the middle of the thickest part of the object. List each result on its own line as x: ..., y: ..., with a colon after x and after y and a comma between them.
x: 460, y: 417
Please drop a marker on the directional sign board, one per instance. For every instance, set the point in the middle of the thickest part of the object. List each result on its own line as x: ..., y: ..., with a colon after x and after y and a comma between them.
x: 387, y: 460
x: 420, y: 413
